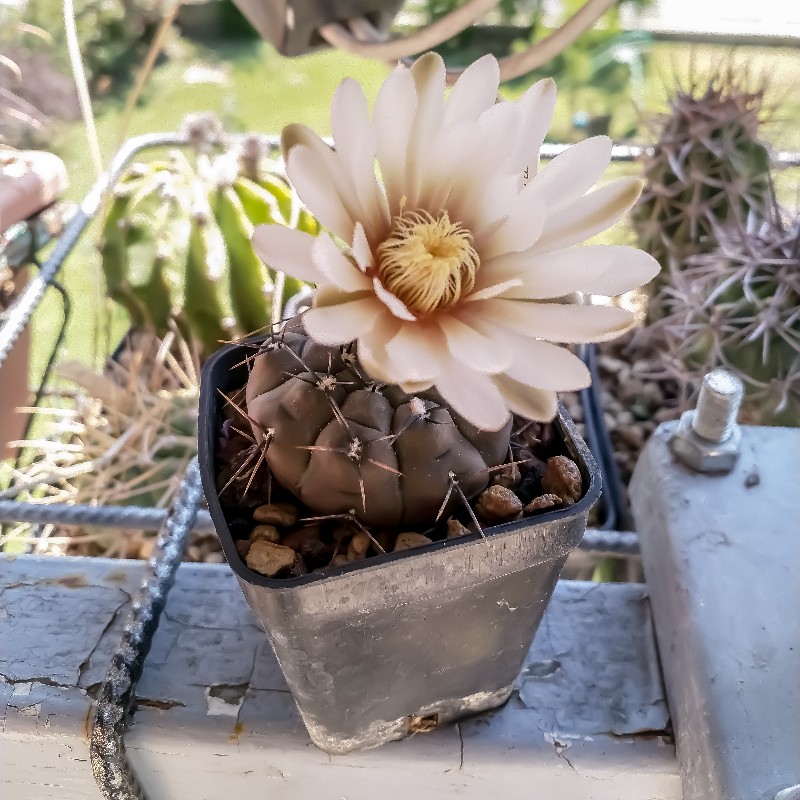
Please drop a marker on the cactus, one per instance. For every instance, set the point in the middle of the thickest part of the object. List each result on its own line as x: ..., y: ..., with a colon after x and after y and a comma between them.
x: 738, y: 307
x: 708, y: 167
x: 341, y: 442
x: 176, y: 244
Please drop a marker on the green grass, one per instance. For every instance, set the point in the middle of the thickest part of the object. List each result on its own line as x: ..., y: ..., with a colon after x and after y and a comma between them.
x: 266, y: 91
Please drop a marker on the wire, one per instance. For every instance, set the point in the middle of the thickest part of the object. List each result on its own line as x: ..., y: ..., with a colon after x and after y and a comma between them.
x: 366, y: 40
x: 437, y: 32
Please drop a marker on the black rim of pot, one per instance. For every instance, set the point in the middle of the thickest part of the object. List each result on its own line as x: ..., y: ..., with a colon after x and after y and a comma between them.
x: 222, y: 363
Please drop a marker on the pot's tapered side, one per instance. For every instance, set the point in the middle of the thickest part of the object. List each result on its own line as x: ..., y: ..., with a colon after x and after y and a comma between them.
x: 405, y: 641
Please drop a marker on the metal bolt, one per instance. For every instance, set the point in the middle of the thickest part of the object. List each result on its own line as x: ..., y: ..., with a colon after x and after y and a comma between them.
x: 717, y: 405
x: 708, y: 438
x: 789, y: 793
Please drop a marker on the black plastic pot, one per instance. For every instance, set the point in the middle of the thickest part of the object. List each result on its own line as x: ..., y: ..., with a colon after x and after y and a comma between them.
x: 404, y: 641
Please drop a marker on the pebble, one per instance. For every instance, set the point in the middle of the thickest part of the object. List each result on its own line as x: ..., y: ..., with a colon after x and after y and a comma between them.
x: 281, y: 514
x: 300, y: 536
x: 407, y: 541
x: 357, y: 549
x: 563, y: 478
x: 632, y: 435
x: 508, y: 476
x: 497, y: 503
x: 242, y: 547
x: 455, y: 528
x: 543, y: 502
x: 265, y: 533
x: 215, y: 558
x: 269, y: 559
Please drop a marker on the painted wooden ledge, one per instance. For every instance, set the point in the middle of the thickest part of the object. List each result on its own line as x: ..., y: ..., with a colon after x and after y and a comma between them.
x: 215, y: 719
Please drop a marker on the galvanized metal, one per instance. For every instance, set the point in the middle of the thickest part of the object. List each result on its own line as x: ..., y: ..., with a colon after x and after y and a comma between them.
x: 375, y: 651
x: 117, y: 693
x: 720, y: 555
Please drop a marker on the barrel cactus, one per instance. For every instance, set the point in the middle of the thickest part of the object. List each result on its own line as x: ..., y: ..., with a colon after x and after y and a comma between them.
x: 738, y: 307
x: 340, y: 441
x: 709, y: 166
x: 176, y: 239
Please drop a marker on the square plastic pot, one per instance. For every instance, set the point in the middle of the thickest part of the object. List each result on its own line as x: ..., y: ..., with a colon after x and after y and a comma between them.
x: 406, y: 641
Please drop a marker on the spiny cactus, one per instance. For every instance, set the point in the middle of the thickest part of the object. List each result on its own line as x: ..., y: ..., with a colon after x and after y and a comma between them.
x: 708, y: 167
x: 340, y: 441
x: 176, y: 243
x: 739, y: 307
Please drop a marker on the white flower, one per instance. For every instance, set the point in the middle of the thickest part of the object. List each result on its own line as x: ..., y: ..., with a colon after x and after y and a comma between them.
x: 455, y: 262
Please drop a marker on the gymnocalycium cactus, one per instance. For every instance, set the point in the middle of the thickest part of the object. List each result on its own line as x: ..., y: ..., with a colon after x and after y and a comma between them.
x: 176, y: 240
x: 708, y: 167
x: 430, y: 326
x: 738, y: 307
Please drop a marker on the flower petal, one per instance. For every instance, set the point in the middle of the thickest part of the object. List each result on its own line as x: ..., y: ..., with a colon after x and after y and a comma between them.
x: 572, y: 173
x: 588, y: 215
x: 428, y: 73
x: 522, y: 227
x: 394, y: 304
x: 372, y: 349
x: 392, y: 118
x: 571, y: 324
x: 340, y: 324
x: 355, y: 149
x: 317, y: 179
x: 472, y: 347
x: 417, y: 351
x: 535, y: 404
x: 474, y: 91
x: 546, y: 366
x: 473, y: 395
x: 361, y: 249
x: 537, y: 104
x: 287, y: 250
x: 337, y: 267
x: 592, y: 269
x: 495, y: 290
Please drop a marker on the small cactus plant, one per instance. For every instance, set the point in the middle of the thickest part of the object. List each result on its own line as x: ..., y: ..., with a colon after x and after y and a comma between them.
x: 738, y: 307
x: 708, y: 167
x: 340, y: 441
x: 176, y: 242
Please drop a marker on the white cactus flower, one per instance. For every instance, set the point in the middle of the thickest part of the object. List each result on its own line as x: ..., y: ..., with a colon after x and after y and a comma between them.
x: 456, y: 258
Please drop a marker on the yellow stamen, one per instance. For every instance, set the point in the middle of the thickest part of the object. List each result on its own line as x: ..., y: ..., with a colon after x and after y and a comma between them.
x: 427, y: 263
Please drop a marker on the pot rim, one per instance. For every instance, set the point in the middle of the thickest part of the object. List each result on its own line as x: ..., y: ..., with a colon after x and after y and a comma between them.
x: 207, y: 432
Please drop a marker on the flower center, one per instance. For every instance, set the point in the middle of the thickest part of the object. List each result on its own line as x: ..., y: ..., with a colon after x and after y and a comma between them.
x: 427, y: 263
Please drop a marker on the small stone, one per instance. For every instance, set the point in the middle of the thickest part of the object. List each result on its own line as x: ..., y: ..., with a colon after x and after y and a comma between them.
x: 563, y: 478
x: 265, y: 533
x: 215, y: 558
x: 407, y: 541
x: 625, y: 418
x: 497, y: 503
x: 610, y: 420
x: 281, y: 514
x: 632, y: 435
x: 357, y: 549
x: 296, y: 538
x: 194, y: 553
x: 339, y: 560
x: 610, y: 364
x: 243, y: 547
x: 268, y: 558
x: 455, y: 528
x: 542, y: 502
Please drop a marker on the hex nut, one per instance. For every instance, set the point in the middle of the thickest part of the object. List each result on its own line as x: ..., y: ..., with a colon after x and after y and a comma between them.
x: 701, y: 454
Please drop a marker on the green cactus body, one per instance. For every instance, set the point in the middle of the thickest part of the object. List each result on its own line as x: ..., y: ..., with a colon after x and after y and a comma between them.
x: 342, y: 442
x: 738, y: 307
x: 708, y: 167
x: 202, y: 308
x: 260, y: 205
x: 114, y: 244
x: 248, y: 283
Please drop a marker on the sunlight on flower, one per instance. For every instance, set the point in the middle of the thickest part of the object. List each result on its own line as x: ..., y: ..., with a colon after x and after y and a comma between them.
x: 458, y: 260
